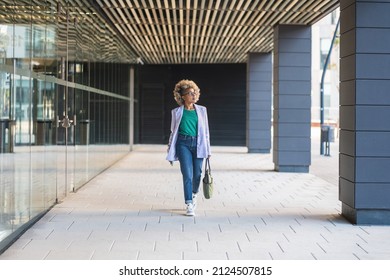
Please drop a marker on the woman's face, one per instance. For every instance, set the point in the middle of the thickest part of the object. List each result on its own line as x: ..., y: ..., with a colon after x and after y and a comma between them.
x: 189, y: 96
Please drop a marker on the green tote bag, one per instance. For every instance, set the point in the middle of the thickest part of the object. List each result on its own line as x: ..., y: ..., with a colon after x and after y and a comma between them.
x: 208, y: 187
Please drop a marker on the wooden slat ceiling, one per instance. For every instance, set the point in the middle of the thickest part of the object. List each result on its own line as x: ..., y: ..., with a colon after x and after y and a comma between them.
x: 165, y: 31
x: 206, y: 31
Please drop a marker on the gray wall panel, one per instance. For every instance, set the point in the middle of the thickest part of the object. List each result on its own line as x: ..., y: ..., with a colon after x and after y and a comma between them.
x: 259, y: 102
x: 347, y: 68
x: 262, y: 143
x: 365, y: 92
x: 348, y: 20
x: 371, y: 15
x: 373, y: 66
x: 294, y: 59
x: 294, y: 45
x: 348, y: 49
x: 372, y: 170
x: 294, y: 101
x: 294, y: 73
x: 292, y: 31
x: 366, y: 38
x: 261, y: 135
x: 261, y: 96
x: 373, y: 92
x: 291, y: 158
x: 258, y: 125
x: 374, y: 144
x: 294, y: 87
x: 260, y: 115
x: 346, y: 192
x: 293, y: 144
x: 372, y: 196
x: 347, y: 167
x: 261, y: 76
x: 347, y: 142
x: 255, y: 68
x: 347, y: 92
x: 259, y: 85
x: 373, y: 118
x: 259, y: 105
x: 347, y: 117
x: 294, y: 115
x: 292, y: 130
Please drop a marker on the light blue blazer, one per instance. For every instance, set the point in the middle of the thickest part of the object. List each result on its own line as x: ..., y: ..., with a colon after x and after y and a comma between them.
x: 203, y: 145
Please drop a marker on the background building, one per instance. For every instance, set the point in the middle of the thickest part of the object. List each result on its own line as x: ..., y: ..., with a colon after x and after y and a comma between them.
x: 322, y: 33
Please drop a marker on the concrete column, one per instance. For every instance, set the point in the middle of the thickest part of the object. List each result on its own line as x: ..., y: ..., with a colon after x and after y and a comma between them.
x: 292, y: 98
x: 364, y: 184
x: 259, y: 102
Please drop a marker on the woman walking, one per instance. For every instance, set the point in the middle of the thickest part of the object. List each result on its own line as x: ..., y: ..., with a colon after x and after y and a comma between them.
x: 189, y: 141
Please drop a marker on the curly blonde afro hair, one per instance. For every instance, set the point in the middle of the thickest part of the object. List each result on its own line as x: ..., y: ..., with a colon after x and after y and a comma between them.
x: 181, y: 86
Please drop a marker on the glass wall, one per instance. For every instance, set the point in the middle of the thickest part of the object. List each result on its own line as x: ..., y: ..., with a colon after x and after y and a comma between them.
x: 64, y: 106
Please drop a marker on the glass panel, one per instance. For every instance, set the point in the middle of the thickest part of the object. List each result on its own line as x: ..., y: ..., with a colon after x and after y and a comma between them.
x: 56, y: 61
x: 23, y: 87
x: 7, y: 184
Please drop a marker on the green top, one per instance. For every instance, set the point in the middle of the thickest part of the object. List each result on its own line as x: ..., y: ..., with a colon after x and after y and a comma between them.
x: 189, y: 123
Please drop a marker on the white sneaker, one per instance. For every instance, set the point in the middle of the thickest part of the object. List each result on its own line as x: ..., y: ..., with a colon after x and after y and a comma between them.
x: 194, y: 202
x: 190, y: 210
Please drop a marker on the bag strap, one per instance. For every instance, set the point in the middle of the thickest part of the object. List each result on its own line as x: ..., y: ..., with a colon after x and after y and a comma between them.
x: 207, y: 165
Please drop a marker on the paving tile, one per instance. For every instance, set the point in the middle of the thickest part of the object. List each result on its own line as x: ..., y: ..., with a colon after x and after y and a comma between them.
x: 149, y: 235
x: 237, y: 235
x: 70, y: 255
x: 255, y: 213
x: 252, y: 255
x: 176, y: 246
x: 218, y: 246
x: 57, y: 235
x: 143, y: 255
x: 46, y: 245
x: 110, y: 235
x: 141, y: 219
x: 69, y: 218
x: 132, y: 226
x: 345, y: 255
x: 91, y: 244
x: 205, y: 256
x: 373, y: 256
x: 52, y: 225
x: 89, y: 225
x: 106, y: 218
x: 37, y: 233
x: 165, y: 227
x: 113, y: 255
x: 189, y: 236
x: 300, y: 255
x: 16, y: 254
x: 139, y: 245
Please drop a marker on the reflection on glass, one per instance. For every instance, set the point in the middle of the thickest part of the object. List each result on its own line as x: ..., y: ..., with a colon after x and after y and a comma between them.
x: 63, y: 107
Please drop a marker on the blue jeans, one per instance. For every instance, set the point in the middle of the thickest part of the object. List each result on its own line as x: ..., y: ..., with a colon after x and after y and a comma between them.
x: 190, y: 165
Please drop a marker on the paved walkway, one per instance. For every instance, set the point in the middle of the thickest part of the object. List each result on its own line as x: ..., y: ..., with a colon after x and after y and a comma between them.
x: 135, y: 211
